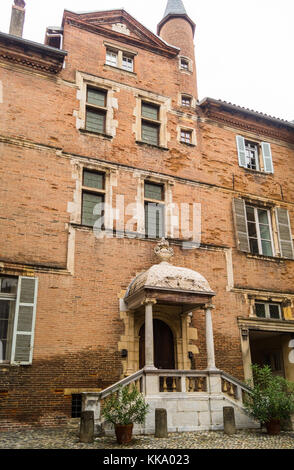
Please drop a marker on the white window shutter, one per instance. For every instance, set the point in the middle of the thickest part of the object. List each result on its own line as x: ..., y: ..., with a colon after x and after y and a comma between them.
x: 239, y: 211
x: 241, y: 150
x: 285, y: 233
x: 24, y: 321
x: 267, y: 157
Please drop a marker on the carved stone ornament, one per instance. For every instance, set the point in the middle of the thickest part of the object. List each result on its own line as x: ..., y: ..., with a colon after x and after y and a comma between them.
x: 163, y: 251
x: 20, y: 3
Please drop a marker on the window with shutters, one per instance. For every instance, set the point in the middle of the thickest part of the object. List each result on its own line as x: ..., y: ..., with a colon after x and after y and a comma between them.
x: 150, y: 132
x: 93, y: 197
x: 96, y: 109
x: 18, y: 297
x: 259, y: 231
x: 254, y: 156
x: 268, y: 310
x: 254, y: 230
x: 154, y: 210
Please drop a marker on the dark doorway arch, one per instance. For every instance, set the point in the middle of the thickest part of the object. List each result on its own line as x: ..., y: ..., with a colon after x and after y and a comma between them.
x: 164, y: 352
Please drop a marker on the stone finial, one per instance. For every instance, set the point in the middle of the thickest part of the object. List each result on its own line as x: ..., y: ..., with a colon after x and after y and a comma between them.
x: 20, y: 3
x: 163, y: 251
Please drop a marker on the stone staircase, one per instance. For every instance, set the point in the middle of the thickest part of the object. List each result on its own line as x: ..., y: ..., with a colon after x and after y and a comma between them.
x: 194, y: 400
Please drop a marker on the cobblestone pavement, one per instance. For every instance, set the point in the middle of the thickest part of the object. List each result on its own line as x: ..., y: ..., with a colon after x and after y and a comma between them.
x: 68, y: 438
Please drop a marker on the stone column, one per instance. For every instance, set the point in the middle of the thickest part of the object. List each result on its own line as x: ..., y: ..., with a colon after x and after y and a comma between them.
x: 149, y: 339
x: 209, y: 339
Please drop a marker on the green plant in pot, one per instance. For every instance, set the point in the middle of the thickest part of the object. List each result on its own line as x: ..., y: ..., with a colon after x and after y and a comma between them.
x: 123, y: 409
x: 271, y: 399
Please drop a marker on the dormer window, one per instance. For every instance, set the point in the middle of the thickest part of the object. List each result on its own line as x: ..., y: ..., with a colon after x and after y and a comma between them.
x: 254, y: 155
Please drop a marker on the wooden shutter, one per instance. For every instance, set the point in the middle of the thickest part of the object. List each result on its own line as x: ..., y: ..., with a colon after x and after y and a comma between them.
x: 150, y: 133
x: 241, y: 150
x: 285, y: 233
x: 154, y: 220
x: 239, y: 211
x: 267, y: 157
x: 24, y: 320
x: 95, y: 121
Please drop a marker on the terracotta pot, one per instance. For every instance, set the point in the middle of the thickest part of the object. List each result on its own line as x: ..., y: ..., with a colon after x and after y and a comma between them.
x: 273, y: 427
x: 123, y: 433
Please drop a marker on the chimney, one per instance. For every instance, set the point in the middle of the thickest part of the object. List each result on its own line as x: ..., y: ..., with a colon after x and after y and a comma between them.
x: 17, y: 18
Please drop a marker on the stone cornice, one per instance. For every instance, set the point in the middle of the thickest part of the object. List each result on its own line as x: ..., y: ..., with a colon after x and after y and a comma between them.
x: 30, y: 54
x: 247, y: 121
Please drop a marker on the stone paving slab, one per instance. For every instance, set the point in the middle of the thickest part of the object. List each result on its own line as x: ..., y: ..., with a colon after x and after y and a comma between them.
x: 68, y: 438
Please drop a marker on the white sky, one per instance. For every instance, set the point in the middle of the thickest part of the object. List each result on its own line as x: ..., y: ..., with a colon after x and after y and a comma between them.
x: 244, y: 48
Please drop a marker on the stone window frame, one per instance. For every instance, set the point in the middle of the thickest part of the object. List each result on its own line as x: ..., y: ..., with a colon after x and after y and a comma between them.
x: 120, y: 52
x: 285, y: 302
x: 91, y: 190
x: 156, y: 201
x: 189, y: 130
x: 85, y: 81
x: 163, y: 104
x: 188, y: 68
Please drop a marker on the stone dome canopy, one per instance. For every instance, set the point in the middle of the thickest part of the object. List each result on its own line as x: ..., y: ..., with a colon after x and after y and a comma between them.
x: 166, y: 276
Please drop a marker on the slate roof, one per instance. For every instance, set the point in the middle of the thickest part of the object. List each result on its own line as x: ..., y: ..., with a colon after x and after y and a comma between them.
x: 175, y: 7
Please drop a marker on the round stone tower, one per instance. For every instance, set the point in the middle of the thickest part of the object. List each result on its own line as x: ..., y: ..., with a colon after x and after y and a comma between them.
x: 177, y: 29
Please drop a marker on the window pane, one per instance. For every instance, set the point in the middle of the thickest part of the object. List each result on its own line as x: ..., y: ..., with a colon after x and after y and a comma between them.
x: 150, y: 111
x: 154, y: 191
x: 253, y: 245
x: 150, y: 134
x: 186, y: 101
x: 127, y: 63
x: 264, y: 232
x: 260, y: 310
x: 8, y: 285
x: 263, y: 216
x: 252, y: 229
x: 97, y: 97
x: 89, y: 203
x: 266, y: 248
x: 250, y: 213
x: 154, y: 220
x: 186, y: 137
x: 93, y: 180
x: 95, y: 121
x: 5, y: 306
x: 184, y: 64
x: 274, y: 311
x: 111, y: 58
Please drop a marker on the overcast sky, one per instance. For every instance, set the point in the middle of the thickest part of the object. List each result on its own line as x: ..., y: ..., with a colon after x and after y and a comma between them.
x: 244, y: 48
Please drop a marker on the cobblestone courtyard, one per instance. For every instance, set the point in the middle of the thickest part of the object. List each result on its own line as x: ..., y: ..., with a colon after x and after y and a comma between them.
x: 68, y: 438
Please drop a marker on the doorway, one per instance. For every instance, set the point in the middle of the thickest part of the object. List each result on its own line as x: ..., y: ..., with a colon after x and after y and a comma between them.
x: 164, y: 352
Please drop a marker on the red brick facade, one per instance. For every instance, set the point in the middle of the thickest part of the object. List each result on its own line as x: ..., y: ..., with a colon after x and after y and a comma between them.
x: 44, y: 149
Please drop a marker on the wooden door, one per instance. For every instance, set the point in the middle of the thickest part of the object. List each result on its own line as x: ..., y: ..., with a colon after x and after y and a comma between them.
x: 164, y: 354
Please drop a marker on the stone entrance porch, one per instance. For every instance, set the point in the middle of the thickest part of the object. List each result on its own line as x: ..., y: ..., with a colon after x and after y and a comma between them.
x: 194, y: 399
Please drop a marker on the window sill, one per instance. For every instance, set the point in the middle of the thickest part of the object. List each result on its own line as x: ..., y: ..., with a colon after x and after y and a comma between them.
x: 256, y: 172
x: 98, y: 134
x: 273, y: 259
x: 141, y: 142
x: 187, y: 143
x: 119, y: 69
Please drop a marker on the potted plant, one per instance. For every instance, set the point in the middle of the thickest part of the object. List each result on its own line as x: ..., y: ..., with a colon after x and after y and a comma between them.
x: 124, y: 408
x: 270, y: 400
